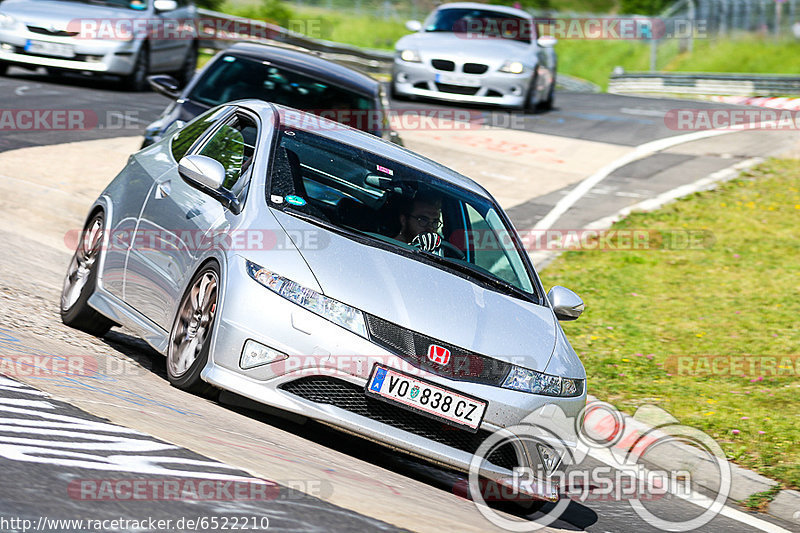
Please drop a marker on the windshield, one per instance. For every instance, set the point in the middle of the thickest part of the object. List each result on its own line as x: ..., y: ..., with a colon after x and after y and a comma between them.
x: 480, y: 23
x: 394, y: 206
x: 138, y: 5
x: 235, y: 78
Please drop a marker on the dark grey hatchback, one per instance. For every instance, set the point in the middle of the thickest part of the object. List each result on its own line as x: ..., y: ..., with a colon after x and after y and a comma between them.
x: 281, y: 76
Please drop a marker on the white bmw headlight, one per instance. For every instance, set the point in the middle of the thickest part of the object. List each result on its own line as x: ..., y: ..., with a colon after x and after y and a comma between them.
x: 7, y: 21
x: 526, y: 380
x: 412, y: 56
x: 513, y: 67
x: 328, y: 308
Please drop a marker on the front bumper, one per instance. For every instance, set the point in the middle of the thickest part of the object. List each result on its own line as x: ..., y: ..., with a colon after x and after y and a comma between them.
x: 491, y: 88
x: 319, y: 350
x: 99, y: 56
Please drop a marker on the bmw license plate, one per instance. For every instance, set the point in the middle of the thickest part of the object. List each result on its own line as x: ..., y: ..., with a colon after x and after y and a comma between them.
x: 464, y: 81
x: 49, y: 49
x: 426, y: 398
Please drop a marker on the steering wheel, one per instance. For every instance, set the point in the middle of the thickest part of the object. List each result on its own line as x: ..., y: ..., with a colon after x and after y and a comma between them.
x: 453, y: 250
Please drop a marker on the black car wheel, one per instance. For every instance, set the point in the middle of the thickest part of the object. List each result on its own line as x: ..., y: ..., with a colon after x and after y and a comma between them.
x: 187, y: 70
x: 136, y: 81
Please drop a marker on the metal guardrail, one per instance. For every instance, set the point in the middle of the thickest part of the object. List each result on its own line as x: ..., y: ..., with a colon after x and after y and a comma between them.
x: 703, y: 84
x: 219, y: 30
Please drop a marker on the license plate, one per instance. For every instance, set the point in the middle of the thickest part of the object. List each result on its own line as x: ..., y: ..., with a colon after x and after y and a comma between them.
x: 50, y: 49
x: 426, y: 398
x: 464, y: 81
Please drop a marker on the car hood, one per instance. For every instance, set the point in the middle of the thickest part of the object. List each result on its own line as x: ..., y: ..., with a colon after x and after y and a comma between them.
x: 432, y: 45
x: 426, y: 299
x: 63, y: 15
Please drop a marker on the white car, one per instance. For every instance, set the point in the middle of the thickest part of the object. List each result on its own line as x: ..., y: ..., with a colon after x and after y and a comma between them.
x: 479, y: 54
x: 131, y: 39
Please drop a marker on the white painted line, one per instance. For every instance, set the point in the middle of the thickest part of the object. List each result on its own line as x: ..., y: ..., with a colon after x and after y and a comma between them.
x: 643, y: 150
x: 541, y: 258
x: 643, y: 112
x: 684, y: 190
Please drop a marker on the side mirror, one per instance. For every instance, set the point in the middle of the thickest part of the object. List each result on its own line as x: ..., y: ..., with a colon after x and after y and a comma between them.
x: 566, y: 304
x: 202, y: 170
x: 161, y: 6
x: 379, y: 182
x: 175, y: 126
x: 547, y: 41
x: 165, y: 85
x: 413, y: 25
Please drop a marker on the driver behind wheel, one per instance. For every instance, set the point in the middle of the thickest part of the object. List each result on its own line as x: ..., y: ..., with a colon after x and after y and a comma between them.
x: 420, y: 221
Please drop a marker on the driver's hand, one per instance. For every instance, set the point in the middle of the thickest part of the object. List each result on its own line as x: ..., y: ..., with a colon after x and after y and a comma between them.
x: 430, y: 242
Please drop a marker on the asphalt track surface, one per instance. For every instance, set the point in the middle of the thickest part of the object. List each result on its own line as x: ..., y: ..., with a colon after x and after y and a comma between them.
x: 32, y: 488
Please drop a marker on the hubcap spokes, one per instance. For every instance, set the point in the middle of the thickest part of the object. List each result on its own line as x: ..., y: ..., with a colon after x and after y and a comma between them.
x: 194, y: 324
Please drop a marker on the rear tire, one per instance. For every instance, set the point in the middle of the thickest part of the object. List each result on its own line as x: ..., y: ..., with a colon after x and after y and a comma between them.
x: 190, y: 338
x: 81, y: 279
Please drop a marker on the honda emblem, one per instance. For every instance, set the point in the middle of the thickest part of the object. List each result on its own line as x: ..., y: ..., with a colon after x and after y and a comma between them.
x: 438, y: 354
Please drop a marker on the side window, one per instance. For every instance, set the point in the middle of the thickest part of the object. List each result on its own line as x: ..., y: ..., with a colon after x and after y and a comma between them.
x: 186, y: 137
x: 494, y: 249
x: 233, y: 145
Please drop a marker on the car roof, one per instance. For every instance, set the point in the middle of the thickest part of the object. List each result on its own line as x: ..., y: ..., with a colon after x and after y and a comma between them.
x: 486, y: 7
x: 305, y: 63
x: 342, y: 133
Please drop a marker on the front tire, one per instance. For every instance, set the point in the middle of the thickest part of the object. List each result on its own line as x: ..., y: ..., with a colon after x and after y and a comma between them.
x: 187, y: 70
x: 3, y: 68
x: 81, y: 279
x: 549, y: 104
x: 136, y: 81
x: 190, y: 338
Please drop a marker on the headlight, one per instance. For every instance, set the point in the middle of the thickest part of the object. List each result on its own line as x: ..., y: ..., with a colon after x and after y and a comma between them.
x: 534, y: 382
x: 328, y: 308
x: 513, y: 67
x: 412, y: 56
x: 7, y: 21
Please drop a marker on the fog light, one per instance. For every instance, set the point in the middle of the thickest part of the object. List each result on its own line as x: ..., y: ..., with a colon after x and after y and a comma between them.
x: 516, y: 91
x: 6, y: 46
x: 550, y: 458
x: 402, y: 77
x: 255, y: 354
x: 94, y: 59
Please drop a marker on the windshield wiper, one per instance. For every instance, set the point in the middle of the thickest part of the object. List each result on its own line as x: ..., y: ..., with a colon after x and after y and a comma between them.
x: 483, y: 277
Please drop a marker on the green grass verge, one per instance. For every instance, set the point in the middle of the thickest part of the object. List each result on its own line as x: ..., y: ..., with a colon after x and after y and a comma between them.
x: 595, y: 60
x: 761, y: 500
x: 741, y: 296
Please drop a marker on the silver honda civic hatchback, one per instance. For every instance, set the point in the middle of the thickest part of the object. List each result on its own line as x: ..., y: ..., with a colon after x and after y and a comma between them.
x: 328, y: 273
